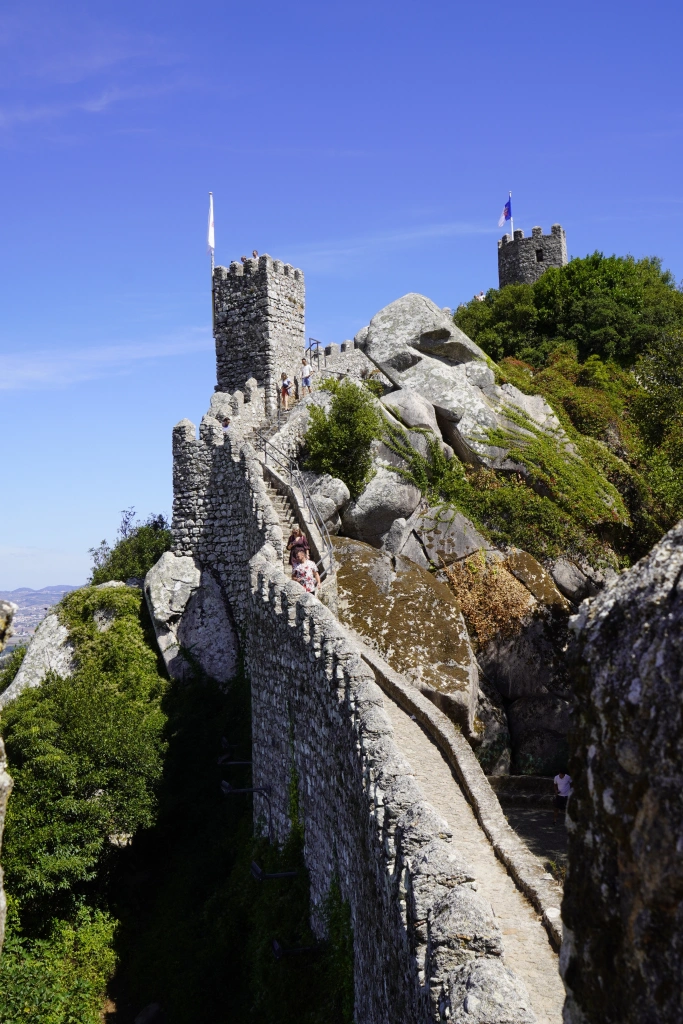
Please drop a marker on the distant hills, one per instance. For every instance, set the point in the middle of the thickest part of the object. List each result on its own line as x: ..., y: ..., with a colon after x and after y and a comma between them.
x: 33, y: 606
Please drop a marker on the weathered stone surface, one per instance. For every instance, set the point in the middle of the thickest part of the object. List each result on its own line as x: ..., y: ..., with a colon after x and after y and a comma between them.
x: 486, y: 992
x: 413, y: 620
x: 447, y: 535
x: 535, y: 578
x: 386, y: 498
x: 412, y: 409
x: 48, y: 651
x: 421, y: 350
x: 571, y: 581
x: 538, y: 729
x: 462, y: 927
x: 414, y: 321
x: 328, y: 492
x: 622, y: 959
x: 190, y: 615
x: 491, y: 737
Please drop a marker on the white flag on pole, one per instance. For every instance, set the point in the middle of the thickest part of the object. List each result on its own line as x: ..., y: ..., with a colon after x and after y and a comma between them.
x: 210, y: 238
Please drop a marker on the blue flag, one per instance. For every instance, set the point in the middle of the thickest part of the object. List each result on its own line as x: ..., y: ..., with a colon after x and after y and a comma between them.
x: 506, y: 214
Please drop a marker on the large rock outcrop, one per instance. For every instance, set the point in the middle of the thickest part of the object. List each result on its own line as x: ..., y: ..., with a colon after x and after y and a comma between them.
x: 622, y: 958
x: 191, y: 620
x: 420, y: 349
x: 413, y: 620
x: 50, y: 650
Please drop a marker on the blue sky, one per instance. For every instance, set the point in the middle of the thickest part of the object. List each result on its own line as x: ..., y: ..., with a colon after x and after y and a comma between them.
x: 372, y: 144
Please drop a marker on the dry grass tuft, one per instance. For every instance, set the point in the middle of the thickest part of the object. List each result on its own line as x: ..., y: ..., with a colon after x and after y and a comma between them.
x: 492, y: 600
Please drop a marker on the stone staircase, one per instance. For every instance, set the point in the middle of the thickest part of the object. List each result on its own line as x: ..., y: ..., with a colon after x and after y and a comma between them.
x: 283, y: 507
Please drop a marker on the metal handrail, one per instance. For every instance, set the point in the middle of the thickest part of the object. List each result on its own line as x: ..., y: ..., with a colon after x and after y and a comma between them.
x: 296, y: 477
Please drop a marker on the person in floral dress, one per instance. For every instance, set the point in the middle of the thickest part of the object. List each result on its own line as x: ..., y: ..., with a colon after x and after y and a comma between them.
x: 305, y: 571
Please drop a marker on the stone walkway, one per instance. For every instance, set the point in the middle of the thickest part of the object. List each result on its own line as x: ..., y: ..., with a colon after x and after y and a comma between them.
x: 527, y: 949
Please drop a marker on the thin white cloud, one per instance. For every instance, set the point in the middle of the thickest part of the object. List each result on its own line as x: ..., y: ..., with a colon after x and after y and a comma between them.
x: 330, y: 255
x: 96, y: 104
x: 58, y: 368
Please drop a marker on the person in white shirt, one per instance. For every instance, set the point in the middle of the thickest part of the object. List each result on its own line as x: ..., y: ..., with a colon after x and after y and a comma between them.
x: 563, y: 789
x: 306, y: 374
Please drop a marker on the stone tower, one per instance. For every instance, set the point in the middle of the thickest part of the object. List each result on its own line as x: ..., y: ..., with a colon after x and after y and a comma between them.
x: 258, y: 323
x: 522, y: 260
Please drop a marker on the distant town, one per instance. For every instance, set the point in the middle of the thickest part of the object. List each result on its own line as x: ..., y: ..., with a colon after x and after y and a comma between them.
x: 33, y: 606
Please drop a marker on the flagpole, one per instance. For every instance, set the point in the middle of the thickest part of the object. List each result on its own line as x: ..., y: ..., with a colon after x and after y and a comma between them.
x: 512, y: 223
x: 211, y: 243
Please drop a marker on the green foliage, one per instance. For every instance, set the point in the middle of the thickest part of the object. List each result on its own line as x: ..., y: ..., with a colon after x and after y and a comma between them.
x: 11, y: 667
x: 85, y: 753
x: 613, y: 307
x: 375, y: 387
x: 659, y: 372
x: 503, y: 507
x: 62, y: 978
x: 340, y: 442
x: 138, y: 548
x: 86, y: 756
x: 632, y: 441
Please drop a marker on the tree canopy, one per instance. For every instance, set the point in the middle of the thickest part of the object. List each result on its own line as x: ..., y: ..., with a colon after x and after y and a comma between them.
x: 614, y: 307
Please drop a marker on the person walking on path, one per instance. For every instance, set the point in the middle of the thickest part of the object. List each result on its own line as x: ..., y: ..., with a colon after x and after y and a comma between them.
x: 285, y: 388
x: 563, y: 789
x: 306, y: 374
x: 305, y: 572
x: 298, y: 541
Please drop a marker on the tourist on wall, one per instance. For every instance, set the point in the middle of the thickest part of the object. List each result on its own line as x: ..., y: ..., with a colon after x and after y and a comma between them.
x: 305, y: 572
x: 285, y: 389
x: 226, y: 424
x: 298, y: 541
x: 563, y: 790
x: 306, y: 374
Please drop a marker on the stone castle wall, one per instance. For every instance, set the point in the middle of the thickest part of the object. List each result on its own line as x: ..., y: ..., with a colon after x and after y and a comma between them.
x: 522, y: 260
x: 258, y: 323
x: 317, y: 710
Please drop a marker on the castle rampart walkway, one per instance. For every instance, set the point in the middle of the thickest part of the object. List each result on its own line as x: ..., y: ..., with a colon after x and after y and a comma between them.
x: 527, y: 948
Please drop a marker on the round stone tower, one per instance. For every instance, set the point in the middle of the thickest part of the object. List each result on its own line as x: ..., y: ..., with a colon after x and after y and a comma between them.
x: 522, y: 260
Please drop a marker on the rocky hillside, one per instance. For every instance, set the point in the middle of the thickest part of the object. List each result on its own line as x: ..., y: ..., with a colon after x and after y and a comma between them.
x: 520, y: 489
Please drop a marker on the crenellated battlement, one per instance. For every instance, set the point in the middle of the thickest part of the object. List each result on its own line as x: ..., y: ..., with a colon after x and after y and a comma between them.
x: 258, y: 323
x: 522, y: 260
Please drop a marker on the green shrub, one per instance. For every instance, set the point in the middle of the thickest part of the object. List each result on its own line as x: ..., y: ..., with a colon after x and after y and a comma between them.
x: 60, y: 979
x: 340, y: 442
x: 138, y: 548
x: 11, y: 667
x: 613, y: 307
x: 504, y: 508
x: 85, y: 754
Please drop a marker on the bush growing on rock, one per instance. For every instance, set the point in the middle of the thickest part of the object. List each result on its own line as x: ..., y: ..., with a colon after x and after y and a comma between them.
x: 339, y: 442
x: 138, y: 548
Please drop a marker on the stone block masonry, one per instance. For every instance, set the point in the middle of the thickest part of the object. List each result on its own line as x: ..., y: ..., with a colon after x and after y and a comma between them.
x: 522, y: 260
x: 423, y: 935
x: 258, y: 324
